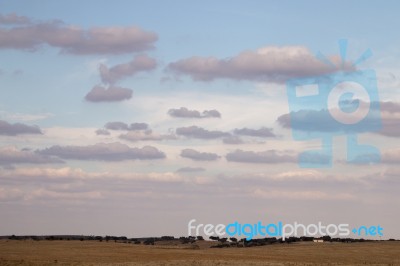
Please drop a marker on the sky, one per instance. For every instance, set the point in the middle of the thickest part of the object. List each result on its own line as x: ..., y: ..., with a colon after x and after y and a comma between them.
x: 134, y: 117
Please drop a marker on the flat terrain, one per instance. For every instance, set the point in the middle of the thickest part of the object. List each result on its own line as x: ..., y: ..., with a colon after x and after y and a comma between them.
x: 28, y: 252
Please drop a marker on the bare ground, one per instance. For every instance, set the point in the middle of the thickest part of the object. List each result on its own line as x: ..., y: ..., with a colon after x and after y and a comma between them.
x: 27, y: 252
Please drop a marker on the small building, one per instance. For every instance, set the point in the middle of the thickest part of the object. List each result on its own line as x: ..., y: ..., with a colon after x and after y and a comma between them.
x: 318, y: 240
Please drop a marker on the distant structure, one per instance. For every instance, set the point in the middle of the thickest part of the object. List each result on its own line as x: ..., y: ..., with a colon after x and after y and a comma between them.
x: 318, y: 240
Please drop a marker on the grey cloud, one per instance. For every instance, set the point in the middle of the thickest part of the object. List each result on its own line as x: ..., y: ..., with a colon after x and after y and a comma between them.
x: 317, y: 158
x: 200, y: 133
x: 262, y: 132
x: 102, y: 132
x: 270, y: 156
x: 17, y: 129
x: 121, y: 71
x: 232, y: 140
x: 72, y: 39
x: 268, y: 63
x: 390, y: 127
x: 183, y: 112
x: 211, y: 113
x: 18, y: 72
x: 110, y: 94
x: 145, y: 135
x: 284, y: 120
x: 310, y: 120
x: 199, y: 156
x: 391, y: 121
x: 14, y: 19
x: 104, y: 152
x: 322, y: 121
x: 390, y: 107
x: 190, y: 169
x: 123, y: 126
x: 138, y: 126
x: 11, y: 155
x: 116, y: 126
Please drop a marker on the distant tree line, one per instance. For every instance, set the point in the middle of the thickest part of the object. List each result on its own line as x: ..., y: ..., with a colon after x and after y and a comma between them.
x: 122, y: 239
x: 221, y: 242
x: 234, y: 242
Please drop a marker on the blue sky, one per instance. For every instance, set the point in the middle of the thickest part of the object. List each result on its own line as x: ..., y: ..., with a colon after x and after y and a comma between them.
x: 208, y: 81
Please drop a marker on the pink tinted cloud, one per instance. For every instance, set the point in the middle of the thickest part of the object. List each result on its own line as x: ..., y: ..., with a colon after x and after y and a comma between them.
x: 13, y: 19
x: 73, y: 39
x: 110, y: 94
x: 268, y: 63
x: 121, y: 71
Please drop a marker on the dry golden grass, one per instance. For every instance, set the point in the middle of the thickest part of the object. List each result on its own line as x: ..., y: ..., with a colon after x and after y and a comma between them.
x: 20, y: 252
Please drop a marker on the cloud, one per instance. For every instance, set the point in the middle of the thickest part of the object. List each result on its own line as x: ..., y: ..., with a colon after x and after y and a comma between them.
x: 10, y: 194
x: 116, y: 126
x: 270, y: 63
x: 199, y: 156
x: 110, y: 94
x: 390, y: 107
x: 232, y: 140
x: 200, y: 133
x: 138, y: 126
x: 190, y: 169
x: 102, y: 132
x: 17, y: 129
x: 303, y: 175
x: 322, y: 121
x: 67, y: 175
x: 391, y: 157
x: 14, y: 19
x: 390, y: 119
x: 72, y: 39
x: 390, y: 126
x: 301, y: 195
x: 121, y: 71
x: 262, y: 132
x: 18, y: 72
x: 46, y: 194
x: 12, y: 155
x: 104, y: 152
x: 270, y: 156
x: 211, y: 113
x: 145, y: 135
x: 25, y: 117
x: 183, y: 112
x: 123, y: 126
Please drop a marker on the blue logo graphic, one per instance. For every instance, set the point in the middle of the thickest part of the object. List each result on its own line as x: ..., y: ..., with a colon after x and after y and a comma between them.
x: 344, y: 102
x: 280, y: 229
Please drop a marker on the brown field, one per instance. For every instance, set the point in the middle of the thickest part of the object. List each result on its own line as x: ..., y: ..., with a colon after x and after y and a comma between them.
x: 28, y: 252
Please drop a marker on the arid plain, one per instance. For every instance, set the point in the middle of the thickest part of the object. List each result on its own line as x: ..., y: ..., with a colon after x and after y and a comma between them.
x: 29, y: 252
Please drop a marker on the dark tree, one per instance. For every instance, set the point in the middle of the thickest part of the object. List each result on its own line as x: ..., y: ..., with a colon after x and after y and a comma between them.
x: 326, y: 238
x: 223, y: 240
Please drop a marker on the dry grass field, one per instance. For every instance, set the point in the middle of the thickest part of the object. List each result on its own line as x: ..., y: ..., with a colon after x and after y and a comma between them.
x: 28, y: 252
